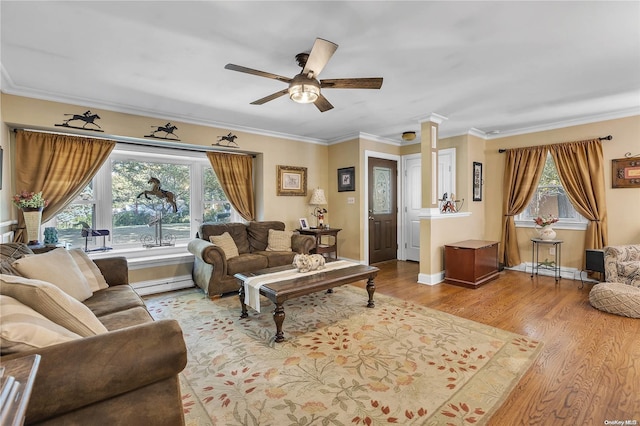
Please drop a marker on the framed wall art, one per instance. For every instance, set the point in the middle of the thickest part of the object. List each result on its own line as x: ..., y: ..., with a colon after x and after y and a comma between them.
x: 347, y: 179
x: 477, y: 181
x: 291, y: 180
x: 625, y: 172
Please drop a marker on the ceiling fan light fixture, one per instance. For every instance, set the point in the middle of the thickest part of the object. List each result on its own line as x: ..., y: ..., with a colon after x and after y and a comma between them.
x: 304, y: 90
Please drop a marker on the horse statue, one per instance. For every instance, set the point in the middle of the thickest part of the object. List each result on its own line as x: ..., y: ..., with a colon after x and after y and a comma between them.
x: 167, y: 128
x: 230, y: 138
x: 160, y: 193
x: 87, y: 117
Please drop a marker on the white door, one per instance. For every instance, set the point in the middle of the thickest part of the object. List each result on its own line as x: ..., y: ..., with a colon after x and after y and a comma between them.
x: 413, y: 195
x: 412, y: 206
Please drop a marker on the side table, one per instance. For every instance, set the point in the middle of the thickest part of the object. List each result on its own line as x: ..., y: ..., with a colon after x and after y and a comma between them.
x: 16, y: 382
x: 535, y: 258
x: 327, y: 247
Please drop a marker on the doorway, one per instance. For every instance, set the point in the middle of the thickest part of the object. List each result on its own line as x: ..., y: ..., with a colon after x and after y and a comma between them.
x: 412, y: 196
x: 382, y: 210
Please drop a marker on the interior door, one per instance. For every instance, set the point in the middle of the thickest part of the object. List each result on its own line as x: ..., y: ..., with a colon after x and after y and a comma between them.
x: 383, y: 210
x: 412, y: 187
x: 413, y: 206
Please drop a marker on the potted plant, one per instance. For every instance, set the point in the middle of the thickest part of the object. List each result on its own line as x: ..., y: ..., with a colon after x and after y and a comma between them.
x: 31, y: 204
x: 543, y: 225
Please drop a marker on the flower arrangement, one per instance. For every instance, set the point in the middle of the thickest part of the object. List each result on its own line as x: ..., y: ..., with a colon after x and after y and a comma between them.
x: 29, y: 200
x: 545, y: 221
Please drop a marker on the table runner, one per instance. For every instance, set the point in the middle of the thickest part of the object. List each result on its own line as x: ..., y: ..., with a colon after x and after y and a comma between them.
x: 252, y: 284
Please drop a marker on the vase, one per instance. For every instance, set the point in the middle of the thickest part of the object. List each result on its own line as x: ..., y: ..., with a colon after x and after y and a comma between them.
x: 32, y: 221
x: 546, y: 233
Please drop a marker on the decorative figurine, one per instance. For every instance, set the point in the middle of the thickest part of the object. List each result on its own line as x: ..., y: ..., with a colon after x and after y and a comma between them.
x: 230, y: 138
x: 168, y: 129
x: 87, y: 117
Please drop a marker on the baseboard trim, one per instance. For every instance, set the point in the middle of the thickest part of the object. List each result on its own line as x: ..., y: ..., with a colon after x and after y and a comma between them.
x: 432, y: 279
x: 161, y: 285
x: 565, y: 272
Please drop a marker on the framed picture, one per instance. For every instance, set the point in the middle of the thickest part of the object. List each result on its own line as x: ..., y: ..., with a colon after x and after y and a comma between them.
x: 292, y: 180
x: 303, y: 223
x: 625, y: 173
x: 347, y: 179
x: 477, y: 181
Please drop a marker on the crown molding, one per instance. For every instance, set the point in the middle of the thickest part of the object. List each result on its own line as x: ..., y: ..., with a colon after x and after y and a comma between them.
x: 10, y: 88
x: 587, y: 119
x: 433, y: 117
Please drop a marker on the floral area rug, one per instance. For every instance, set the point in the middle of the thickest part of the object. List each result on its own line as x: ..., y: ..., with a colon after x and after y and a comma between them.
x: 342, y: 363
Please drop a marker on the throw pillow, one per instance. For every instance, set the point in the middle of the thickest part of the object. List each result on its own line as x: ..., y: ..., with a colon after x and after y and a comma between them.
x: 22, y: 328
x: 50, y: 301
x: 56, y: 267
x: 629, y: 272
x: 226, y: 243
x: 279, y: 240
x: 89, y: 269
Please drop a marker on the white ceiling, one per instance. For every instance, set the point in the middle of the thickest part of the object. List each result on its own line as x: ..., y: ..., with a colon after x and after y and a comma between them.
x: 490, y: 66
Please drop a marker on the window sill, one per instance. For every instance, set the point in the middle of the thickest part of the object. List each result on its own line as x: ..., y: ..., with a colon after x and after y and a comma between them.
x: 576, y: 226
x: 140, y: 257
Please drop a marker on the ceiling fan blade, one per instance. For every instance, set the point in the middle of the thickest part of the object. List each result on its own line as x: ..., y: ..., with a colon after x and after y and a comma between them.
x: 323, y: 104
x: 240, y: 68
x: 270, y: 97
x: 352, y: 83
x: 321, y: 52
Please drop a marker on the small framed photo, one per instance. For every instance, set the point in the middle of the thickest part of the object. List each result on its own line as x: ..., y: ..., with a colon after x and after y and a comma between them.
x: 303, y: 223
x: 347, y: 179
x: 477, y: 181
x: 291, y: 180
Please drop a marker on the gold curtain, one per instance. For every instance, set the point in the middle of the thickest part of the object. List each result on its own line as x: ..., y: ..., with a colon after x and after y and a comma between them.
x: 235, y: 173
x: 60, y: 166
x: 522, y: 172
x: 581, y: 169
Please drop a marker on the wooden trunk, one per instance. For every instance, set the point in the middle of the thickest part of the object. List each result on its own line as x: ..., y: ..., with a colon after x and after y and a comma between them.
x: 471, y: 263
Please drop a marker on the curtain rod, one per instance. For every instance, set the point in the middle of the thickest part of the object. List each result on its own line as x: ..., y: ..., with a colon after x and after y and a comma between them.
x: 144, y: 142
x: 604, y: 138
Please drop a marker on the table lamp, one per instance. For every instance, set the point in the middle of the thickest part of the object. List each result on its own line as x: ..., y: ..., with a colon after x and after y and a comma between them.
x: 318, y: 199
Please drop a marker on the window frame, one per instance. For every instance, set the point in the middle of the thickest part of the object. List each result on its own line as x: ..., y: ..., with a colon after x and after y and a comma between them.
x: 103, y: 197
x: 580, y: 224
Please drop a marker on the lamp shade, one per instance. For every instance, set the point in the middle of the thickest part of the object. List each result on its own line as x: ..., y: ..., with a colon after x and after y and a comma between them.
x: 317, y: 197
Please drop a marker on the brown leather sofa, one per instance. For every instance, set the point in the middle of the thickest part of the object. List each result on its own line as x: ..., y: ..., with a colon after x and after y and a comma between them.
x: 126, y: 376
x: 214, y: 273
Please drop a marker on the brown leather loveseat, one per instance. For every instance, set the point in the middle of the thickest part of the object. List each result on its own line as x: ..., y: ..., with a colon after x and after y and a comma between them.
x: 126, y: 375
x: 214, y: 272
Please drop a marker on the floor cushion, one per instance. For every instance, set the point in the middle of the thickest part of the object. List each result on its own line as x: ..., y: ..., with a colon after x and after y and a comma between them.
x: 616, y: 298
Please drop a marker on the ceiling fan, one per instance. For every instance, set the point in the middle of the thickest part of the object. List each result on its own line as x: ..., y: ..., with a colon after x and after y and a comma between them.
x: 305, y: 87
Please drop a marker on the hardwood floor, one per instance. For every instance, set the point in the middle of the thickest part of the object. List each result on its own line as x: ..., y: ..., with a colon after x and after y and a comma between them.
x: 589, y: 370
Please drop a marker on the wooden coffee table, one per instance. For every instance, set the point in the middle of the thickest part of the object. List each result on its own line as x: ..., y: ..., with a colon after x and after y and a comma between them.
x: 280, y: 292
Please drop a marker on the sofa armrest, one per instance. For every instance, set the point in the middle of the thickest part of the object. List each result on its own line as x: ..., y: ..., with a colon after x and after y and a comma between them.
x: 92, y: 369
x: 114, y: 269
x: 211, y: 254
x: 302, y: 244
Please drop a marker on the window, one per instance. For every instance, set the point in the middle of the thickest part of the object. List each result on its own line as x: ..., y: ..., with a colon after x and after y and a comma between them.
x: 116, y: 200
x: 551, y: 199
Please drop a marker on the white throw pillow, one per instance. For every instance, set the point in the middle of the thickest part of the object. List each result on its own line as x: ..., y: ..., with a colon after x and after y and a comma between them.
x: 279, y: 240
x: 89, y: 269
x: 226, y: 243
x: 23, y: 329
x: 50, y: 301
x: 56, y: 267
